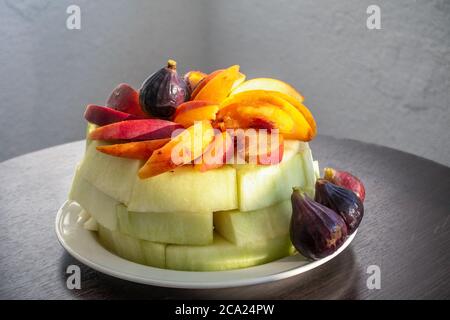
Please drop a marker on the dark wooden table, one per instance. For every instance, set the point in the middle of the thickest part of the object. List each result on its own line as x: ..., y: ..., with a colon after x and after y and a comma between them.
x: 405, y: 232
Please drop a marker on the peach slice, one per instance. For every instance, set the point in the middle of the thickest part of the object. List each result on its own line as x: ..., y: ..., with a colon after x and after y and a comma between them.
x: 263, y: 116
x: 281, y: 89
x: 193, y: 78
x: 203, y: 83
x: 217, y: 154
x: 141, y: 150
x: 136, y: 130
x: 259, y: 146
x: 219, y: 87
x: 182, y: 149
x: 239, y: 81
x: 264, y: 109
x: 192, y: 112
x: 190, y: 105
x: 269, y: 84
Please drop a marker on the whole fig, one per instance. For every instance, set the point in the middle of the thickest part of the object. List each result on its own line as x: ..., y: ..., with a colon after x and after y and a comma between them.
x: 341, y: 200
x: 316, y: 231
x: 347, y: 180
x: 163, y: 92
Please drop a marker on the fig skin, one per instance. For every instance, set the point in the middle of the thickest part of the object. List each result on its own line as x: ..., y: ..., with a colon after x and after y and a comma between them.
x: 163, y: 92
x: 341, y: 200
x: 347, y: 180
x: 315, y: 230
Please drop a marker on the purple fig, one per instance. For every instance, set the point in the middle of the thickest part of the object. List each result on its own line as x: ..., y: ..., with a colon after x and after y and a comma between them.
x: 341, y: 200
x: 316, y: 231
x: 163, y: 92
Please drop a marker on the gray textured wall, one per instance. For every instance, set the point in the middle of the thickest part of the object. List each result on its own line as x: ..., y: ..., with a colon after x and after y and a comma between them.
x: 389, y: 86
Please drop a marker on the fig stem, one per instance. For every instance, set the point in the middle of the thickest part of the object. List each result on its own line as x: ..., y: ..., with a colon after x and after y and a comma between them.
x: 300, y: 191
x: 172, y: 64
x: 328, y: 173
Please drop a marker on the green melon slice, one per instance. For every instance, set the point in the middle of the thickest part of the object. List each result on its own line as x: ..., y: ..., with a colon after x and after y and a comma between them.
x: 264, y: 186
x: 186, y: 190
x: 95, y: 202
x: 112, y: 175
x: 168, y: 227
x: 129, y: 248
x: 223, y: 255
x: 242, y: 228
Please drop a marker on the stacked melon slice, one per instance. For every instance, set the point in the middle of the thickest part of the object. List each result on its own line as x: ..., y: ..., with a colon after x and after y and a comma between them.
x: 227, y: 218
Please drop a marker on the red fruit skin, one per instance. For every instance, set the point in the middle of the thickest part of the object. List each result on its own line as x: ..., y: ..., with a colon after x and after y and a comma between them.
x: 346, y: 180
x: 124, y: 98
x: 103, y: 116
x: 136, y: 130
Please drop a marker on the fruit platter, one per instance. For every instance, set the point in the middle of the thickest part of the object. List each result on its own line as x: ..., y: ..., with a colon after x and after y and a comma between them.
x: 207, y: 173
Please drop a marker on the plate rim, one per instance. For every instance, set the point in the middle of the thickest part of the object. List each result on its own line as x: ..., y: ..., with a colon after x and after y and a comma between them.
x: 98, y: 266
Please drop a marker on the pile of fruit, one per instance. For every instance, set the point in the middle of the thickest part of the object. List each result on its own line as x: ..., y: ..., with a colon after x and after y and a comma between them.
x: 186, y: 213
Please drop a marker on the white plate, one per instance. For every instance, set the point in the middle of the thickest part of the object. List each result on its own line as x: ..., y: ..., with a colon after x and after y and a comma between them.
x: 83, y: 246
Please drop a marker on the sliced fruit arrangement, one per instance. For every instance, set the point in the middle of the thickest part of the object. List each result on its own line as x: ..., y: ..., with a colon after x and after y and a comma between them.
x: 166, y: 102
x: 183, y: 149
x: 196, y: 172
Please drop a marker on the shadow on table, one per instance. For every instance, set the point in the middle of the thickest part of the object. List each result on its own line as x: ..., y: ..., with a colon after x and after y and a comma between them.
x: 337, y: 279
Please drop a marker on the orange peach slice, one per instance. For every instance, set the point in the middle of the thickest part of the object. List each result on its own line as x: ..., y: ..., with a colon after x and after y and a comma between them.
x: 280, y: 88
x: 182, y: 149
x: 188, y: 118
x: 141, y: 150
x: 219, y: 87
x: 301, y: 107
x: 239, y: 81
x: 260, y: 109
x: 263, y: 116
x: 203, y: 83
x: 269, y: 84
x: 190, y: 105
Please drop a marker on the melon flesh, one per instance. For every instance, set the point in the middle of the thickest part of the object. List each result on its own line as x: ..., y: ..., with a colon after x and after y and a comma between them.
x: 89, y: 128
x: 129, y: 248
x: 242, y: 228
x: 186, y: 190
x: 308, y: 168
x: 223, y: 255
x: 194, y: 228
x: 112, y: 175
x: 95, y: 202
x: 263, y: 186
